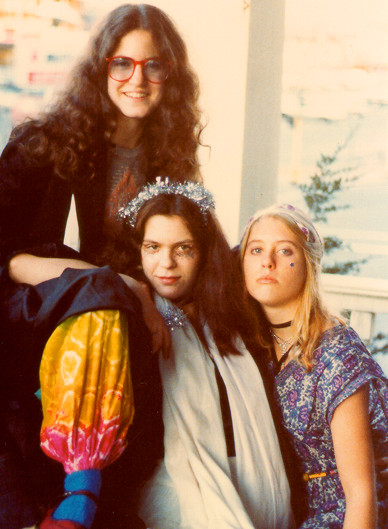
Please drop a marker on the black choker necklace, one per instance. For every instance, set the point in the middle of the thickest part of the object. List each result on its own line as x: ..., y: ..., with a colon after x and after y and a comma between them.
x: 281, y: 325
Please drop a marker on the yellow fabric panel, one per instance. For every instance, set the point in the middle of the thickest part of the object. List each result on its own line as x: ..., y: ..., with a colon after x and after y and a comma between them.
x: 86, y: 389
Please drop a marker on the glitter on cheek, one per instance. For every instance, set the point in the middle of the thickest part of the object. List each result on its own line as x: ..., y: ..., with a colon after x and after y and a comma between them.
x: 291, y: 264
x: 148, y: 251
x: 189, y: 254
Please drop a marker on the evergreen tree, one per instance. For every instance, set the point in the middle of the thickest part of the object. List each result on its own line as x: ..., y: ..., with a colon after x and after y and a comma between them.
x: 320, y: 194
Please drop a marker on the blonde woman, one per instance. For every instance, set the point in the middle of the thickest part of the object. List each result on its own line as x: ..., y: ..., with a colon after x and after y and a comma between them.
x: 332, y: 393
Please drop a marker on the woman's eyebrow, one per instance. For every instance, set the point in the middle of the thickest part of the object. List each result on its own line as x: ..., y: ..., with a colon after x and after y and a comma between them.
x: 191, y: 241
x: 281, y: 241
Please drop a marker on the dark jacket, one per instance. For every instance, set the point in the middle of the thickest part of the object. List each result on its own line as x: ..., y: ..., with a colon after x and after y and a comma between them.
x: 34, y: 204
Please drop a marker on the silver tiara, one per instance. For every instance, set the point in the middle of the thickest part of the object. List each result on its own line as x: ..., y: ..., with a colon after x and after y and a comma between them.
x: 191, y: 190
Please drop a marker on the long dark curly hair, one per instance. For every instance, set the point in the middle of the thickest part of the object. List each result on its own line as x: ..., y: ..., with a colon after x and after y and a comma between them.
x: 74, y: 133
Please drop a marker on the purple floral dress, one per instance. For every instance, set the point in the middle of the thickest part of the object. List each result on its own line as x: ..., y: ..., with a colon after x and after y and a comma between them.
x: 308, y: 401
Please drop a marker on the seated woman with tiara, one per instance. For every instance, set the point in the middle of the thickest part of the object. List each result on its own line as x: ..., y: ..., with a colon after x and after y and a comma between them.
x: 333, y: 394
x: 222, y: 466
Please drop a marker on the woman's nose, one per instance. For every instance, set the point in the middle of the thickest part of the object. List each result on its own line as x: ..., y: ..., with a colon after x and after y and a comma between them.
x: 167, y: 259
x: 268, y: 260
x: 138, y: 75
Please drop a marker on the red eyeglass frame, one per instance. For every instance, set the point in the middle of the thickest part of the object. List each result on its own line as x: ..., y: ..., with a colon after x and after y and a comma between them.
x: 135, y: 63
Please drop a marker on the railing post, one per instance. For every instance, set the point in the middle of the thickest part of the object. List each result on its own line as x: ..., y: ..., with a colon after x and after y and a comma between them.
x: 362, y: 322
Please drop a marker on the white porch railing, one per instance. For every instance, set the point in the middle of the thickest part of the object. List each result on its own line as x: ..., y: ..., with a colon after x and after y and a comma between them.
x: 364, y: 297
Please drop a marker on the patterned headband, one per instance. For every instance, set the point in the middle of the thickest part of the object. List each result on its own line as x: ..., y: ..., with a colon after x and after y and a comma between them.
x: 307, y: 228
x: 299, y: 218
x: 191, y: 190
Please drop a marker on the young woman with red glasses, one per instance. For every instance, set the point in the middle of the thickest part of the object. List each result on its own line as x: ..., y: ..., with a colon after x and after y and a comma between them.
x: 128, y: 114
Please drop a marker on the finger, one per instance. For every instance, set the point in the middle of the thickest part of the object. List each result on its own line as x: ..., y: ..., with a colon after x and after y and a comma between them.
x: 161, y: 340
x: 166, y: 347
x: 157, y: 341
x: 162, y: 343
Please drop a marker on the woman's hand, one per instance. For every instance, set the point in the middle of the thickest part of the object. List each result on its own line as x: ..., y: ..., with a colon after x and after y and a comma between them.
x: 152, y: 318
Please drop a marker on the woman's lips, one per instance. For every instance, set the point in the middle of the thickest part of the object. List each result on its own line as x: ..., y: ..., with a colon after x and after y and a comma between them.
x: 168, y: 280
x: 266, y: 280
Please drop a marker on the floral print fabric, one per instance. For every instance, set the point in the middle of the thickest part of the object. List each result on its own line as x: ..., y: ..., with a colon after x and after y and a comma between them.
x: 308, y: 401
x: 86, y: 390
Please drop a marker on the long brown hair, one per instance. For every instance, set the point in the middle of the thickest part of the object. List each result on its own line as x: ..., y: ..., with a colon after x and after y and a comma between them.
x: 73, y: 134
x: 218, y: 294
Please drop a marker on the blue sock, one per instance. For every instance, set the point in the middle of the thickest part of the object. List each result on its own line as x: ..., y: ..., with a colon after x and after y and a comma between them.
x: 80, y: 508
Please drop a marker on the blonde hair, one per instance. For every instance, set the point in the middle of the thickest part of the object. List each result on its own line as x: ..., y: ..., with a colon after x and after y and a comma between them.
x: 311, y: 316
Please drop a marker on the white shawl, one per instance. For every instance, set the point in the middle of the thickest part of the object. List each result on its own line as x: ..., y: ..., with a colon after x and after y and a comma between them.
x: 198, y: 486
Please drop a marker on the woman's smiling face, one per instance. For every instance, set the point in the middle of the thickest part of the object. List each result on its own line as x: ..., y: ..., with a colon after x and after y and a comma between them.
x: 170, y: 257
x: 274, y: 266
x: 137, y: 97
